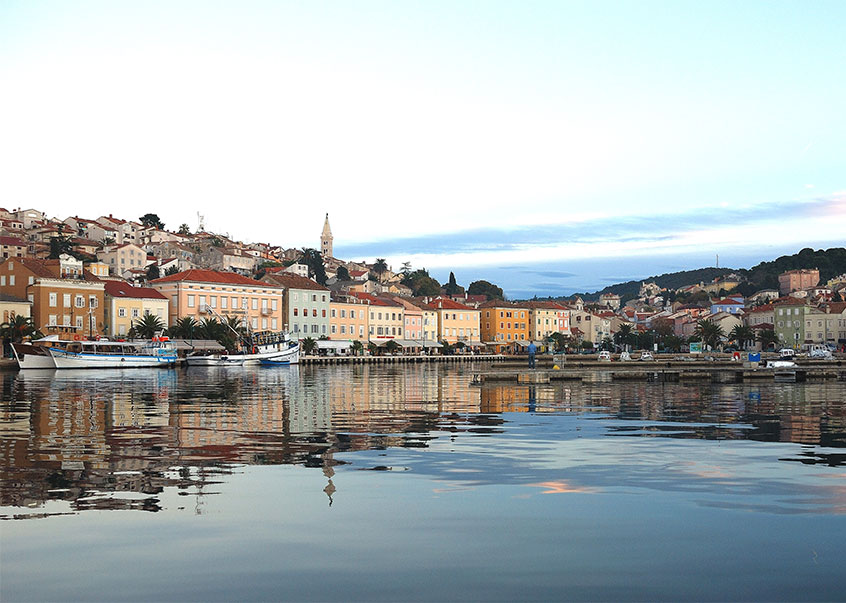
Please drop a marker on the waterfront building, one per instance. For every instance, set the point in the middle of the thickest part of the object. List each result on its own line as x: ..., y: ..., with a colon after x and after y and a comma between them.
x: 457, y: 322
x: 758, y: 315
x: 12, y: 247
x: 610, y: 300
x: 349, y: 318
x: 203, y: 294
x: 65, y: 298
x: 11, y: 306
x: 826, y: 324
x: 789, y: 322
x: 386, y: 319
x: 306, y: 304
x: 125, y: 304
x: 545, y: 319
x: 503, y: 323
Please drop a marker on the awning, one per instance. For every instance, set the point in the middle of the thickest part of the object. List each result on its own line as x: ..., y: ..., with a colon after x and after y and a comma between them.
x: 196, y: 344
x: 432, y: 344
x: 342, y: 344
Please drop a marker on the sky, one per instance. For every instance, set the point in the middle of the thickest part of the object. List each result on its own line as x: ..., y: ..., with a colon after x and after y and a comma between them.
x: 549, y: 147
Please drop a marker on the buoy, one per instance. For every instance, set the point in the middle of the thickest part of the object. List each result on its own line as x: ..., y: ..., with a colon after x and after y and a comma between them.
x: 556, y: 368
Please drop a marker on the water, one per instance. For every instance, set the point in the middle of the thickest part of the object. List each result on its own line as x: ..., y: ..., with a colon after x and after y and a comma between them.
x: 408, y: 483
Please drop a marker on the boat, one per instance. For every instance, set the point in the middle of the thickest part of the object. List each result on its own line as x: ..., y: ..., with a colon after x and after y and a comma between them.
x: 35, y: 354
x: 267, y: 348
x: 159, y: 352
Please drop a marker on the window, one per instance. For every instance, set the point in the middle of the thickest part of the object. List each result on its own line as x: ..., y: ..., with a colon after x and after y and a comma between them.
x: 324, y: 313
x: 92, y: 301
x: 224, y: 302
x: 52, y: 300
x: 323, y: 297
x: 314, y: 328
x: 121, y: 312
x: 66, y: 300
x: 213, y: 301
x: 273, y: 305
x: 51, y: 320
x: 274, y: 324
x: 333, y: 312
x: 66, y: 320
x: 134, y: 312
x: 314, y: 297
x: 255, y: 303
x: 343, y: 329
x: 295, y: 296
x: 343, y: 313
x: 78, y: 320
x: 264, y: 324
x: 79, y: 301
x: 190, y: 301
x: 254, y: 323
x: 296, y: 311
x: 314, y: 312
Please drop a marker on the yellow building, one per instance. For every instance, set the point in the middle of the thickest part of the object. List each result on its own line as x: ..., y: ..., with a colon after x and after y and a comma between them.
x: 349, y: 319
x: 126, y: 304
x: 456, y: 322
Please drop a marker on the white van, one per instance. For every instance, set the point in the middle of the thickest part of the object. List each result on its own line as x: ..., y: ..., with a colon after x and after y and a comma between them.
x: 787, y: 353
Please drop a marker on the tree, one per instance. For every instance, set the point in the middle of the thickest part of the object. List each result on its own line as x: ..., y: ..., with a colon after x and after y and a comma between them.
x: 485, y: 288
x: 153, y: 272
x: 405, y: 270
x: 151, y: 220
x: 710, y: 332
x: 60, y: 245
x: 308, y: 344
x: 767, y: 338
x: 147, y: 327
x: 623, y: 336
x: 171, y: 270
x: 184, y: 328
x: 452, y: 287
x: 342, y: 274
x: 380, y: 267
x: 314, y: 260
x: 357, y: 348
x: 391, y: 346
x: 743, y: 335
x: 184, y: 229
x: 18, y: 327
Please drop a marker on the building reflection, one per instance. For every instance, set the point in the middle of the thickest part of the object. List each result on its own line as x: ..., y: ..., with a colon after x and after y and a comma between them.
x: 64, y: 436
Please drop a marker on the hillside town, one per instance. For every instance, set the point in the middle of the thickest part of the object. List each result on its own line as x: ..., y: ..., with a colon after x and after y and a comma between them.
x: 85, y: 277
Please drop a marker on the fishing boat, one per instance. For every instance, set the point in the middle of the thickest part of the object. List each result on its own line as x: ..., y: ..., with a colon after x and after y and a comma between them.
x: 159, y: 352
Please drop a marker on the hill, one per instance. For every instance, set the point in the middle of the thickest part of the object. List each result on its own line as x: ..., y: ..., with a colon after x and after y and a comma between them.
x: 830, y: 262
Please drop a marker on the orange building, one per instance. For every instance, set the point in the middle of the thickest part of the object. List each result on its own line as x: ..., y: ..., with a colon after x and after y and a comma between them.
x: 503, y: 323
x: 65, y: 298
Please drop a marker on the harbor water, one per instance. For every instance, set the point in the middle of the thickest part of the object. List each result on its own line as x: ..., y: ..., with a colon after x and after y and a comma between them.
x: 410, y: 483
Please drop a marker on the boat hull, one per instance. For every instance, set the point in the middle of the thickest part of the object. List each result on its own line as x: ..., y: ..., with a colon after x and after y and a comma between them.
x: 32, y: 357
x: 71, y: 360
x: 290, y: 355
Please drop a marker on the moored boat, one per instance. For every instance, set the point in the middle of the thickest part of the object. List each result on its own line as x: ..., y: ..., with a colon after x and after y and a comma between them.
x: 279, y: 352
x: 114, y: 354
x: 36, y: 354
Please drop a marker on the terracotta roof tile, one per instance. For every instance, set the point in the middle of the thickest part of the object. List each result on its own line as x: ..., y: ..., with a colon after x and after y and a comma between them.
x: 289, y: 280
x: 121, y: 289
x: 211, y: 276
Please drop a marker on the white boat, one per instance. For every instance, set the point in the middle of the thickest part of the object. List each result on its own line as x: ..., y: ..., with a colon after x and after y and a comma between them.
x: 281, y: 352
x: 114, y: 354
x: 36, y: 354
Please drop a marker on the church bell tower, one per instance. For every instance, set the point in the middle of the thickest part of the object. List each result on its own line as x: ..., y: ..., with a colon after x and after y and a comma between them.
x: 326, y: 239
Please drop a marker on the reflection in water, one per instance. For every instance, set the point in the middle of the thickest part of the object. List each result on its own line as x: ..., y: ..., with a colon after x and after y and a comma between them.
x: 117, y: 441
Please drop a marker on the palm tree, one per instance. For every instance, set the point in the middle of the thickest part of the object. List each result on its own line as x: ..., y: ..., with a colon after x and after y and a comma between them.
x: 308, y: 344
x: 391, y: 346
x: 743, y: 335
x: 710, y: 332
x: 210, y: 328
x: 380, y: 267
x: 357, y: 347
x: 767, y: 337
x: 18, y: 327
x: 184, y: 328
x: 147, y: 327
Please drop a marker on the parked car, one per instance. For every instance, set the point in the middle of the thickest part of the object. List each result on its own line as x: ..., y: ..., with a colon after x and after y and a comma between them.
x: 820, y: 353
x: 646, y: 356
x: 787, y: 353
x: 605, y: 356
x: 625, y: 356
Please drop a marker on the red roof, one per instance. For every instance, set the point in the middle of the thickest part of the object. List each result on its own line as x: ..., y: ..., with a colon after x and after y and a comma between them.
x: 211, y: 276
x: 726, y: 302
x: 373, y: 299
x: 12, y: 241
x: 764, y: 308
x: 443, y: 303
x: 121, y: 289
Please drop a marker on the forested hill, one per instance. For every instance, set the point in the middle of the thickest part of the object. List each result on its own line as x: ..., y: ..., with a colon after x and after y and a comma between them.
x: 830, y: 262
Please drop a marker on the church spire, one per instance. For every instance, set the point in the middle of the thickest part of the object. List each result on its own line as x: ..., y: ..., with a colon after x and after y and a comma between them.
x: 326, y: 239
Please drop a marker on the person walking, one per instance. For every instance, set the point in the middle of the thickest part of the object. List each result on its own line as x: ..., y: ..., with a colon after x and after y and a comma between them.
x: 532, y: 349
